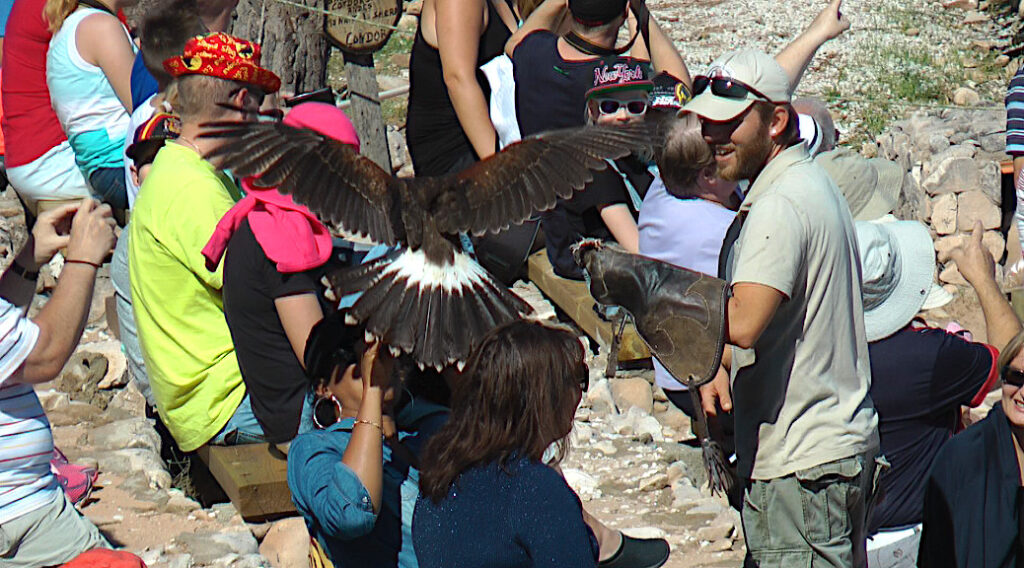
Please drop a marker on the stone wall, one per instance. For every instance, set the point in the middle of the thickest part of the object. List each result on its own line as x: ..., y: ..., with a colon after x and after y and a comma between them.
x: 952, y: 162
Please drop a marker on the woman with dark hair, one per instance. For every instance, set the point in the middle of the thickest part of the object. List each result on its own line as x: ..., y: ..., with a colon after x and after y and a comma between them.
x: 488, y: 498
x: 972, y: 502
x: 354, y: 481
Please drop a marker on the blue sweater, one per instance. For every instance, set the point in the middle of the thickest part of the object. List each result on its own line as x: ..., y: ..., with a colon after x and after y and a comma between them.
x: 492, y: 518
x: 337, y: 506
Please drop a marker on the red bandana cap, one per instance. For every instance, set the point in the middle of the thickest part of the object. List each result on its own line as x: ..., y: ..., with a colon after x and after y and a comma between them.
x: 225, y: 57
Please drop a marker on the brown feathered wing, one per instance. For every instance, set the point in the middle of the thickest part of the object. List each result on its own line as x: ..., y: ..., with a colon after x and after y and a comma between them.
x: 433, y: 307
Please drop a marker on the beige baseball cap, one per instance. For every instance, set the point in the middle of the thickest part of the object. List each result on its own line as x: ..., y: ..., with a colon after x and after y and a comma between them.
x: 755, y: 70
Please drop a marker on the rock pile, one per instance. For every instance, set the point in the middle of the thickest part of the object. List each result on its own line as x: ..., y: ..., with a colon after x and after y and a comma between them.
x: 635, y: 464
x: 953, y: 180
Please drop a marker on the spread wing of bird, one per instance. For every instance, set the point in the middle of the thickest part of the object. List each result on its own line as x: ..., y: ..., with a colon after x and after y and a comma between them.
x: 319, y: 172
x: 528, y: 176
x: 357, y: 195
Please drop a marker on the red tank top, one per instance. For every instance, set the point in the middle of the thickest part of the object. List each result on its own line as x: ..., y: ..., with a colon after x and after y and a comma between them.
x: 29, y: 125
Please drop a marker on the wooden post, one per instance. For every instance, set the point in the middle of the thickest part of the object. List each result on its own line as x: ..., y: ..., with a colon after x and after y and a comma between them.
x: 365, y: 110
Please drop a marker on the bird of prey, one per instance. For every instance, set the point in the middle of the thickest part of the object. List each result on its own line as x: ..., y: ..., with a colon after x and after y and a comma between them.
x: 428, y: 298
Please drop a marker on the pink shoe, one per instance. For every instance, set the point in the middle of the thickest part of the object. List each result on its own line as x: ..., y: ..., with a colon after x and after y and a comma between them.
x: 76, y: 480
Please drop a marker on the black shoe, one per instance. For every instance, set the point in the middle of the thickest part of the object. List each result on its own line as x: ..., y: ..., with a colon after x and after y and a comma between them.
x: 638, y: 553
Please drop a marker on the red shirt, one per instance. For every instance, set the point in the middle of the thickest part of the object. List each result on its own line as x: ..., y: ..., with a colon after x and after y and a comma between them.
x: 29, y: 124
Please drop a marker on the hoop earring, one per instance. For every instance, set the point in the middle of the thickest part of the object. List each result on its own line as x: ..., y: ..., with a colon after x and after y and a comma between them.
x: 316, y: 412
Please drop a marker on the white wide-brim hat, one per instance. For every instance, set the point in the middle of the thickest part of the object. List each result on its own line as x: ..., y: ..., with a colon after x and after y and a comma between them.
x: 898, y: 266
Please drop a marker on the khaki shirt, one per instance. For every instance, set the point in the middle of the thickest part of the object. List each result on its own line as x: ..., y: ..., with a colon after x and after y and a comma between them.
x: 801, y: 393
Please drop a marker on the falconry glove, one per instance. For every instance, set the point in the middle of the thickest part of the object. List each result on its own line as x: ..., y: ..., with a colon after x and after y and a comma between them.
x: 679, y: 313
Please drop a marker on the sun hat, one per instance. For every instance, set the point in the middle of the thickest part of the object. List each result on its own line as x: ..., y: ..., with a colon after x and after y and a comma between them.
x: 620, y: 74
x: 150, y: 137
x: 223, y: 56
x: 871, y: 186
x: 753, y: 69
x: 596, y: 12
x: 897, y: 261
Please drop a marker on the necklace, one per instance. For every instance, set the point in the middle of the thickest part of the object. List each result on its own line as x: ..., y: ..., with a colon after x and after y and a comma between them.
x: 183, y: 141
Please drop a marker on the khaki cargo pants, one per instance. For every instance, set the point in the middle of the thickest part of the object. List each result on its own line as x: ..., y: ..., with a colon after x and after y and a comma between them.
x: 815, y: 517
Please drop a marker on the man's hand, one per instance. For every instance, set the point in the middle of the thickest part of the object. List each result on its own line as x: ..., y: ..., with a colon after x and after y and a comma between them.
x: 830, y: 22
x: 92, y: 232
x: 716, y: 391
x: 52, y: 232
x: 972, y: 259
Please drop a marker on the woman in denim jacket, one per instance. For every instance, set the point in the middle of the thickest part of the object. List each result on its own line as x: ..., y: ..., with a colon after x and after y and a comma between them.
x: 355, y: 480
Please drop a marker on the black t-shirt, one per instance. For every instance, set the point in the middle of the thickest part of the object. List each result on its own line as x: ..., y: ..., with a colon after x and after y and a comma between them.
x: 274, y: 378
x: 919, y: 379
x: 580, y: 216
x: 550, y: 91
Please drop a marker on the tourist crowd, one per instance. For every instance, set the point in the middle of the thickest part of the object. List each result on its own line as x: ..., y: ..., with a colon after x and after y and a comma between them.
x: 839, y: 407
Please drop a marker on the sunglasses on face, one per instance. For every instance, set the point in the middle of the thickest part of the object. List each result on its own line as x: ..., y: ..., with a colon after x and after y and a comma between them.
x: 1012, y: 377
x: 725, y: 87
x: 635, y: 107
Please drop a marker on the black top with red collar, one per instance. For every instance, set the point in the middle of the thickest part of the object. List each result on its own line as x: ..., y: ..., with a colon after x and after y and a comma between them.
x: 920, y: 377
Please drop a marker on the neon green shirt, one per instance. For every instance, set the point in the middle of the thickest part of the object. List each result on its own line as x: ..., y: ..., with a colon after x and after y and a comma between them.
x: 189, y: 355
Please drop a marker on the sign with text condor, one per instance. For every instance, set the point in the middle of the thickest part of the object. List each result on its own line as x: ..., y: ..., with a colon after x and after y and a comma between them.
x: 361, y: 26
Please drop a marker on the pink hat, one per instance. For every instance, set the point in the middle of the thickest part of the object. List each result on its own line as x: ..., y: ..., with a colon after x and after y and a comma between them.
x: 290, y: 234
x: 326, y: 119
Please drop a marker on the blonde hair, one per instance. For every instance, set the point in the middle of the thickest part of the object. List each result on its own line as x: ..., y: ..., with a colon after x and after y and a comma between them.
x: 683, y: 155
x: 197, y: 97
x: 56, y: 11
x: 526, y: 7
x: 1010, y: 352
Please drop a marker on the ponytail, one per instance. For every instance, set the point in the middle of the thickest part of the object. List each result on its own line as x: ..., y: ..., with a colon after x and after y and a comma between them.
x: 56, y: 11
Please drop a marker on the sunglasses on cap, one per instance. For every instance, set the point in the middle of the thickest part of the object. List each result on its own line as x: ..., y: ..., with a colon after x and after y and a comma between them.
x: 1012, y: 377
x: 725, y: 87
x: 635, y: 107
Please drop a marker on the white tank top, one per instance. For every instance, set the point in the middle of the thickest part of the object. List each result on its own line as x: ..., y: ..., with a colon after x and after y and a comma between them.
x: 85, y: 103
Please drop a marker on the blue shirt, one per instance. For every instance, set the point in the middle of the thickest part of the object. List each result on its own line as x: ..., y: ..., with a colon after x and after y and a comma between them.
x: 5, y: 11
x: 920, y: 377
x: 143, y: 83
x: 336, y: 505
x: 523, y: 515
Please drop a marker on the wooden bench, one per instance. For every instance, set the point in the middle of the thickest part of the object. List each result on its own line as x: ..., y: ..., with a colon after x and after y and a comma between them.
x: 254, y: 477
x: 573, y: 298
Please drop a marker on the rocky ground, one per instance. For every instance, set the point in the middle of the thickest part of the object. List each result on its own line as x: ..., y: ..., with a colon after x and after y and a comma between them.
x: 633, y: 462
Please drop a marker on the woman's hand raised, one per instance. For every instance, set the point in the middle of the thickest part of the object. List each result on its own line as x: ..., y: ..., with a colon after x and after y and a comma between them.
x: 376, y: 367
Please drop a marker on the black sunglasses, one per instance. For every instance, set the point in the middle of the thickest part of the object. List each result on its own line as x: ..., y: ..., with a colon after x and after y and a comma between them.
x: 612, y: 106
x: 1012, y: 377
x: 725, y: 87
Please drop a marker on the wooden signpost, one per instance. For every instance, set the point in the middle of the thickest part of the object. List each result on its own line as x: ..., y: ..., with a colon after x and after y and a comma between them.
x: 360, y: 28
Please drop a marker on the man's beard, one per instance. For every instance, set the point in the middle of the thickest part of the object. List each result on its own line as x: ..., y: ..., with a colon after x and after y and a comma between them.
x: 748, y: 159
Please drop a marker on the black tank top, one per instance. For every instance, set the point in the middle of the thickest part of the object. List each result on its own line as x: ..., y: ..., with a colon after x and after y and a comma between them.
x: 436, y: 140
